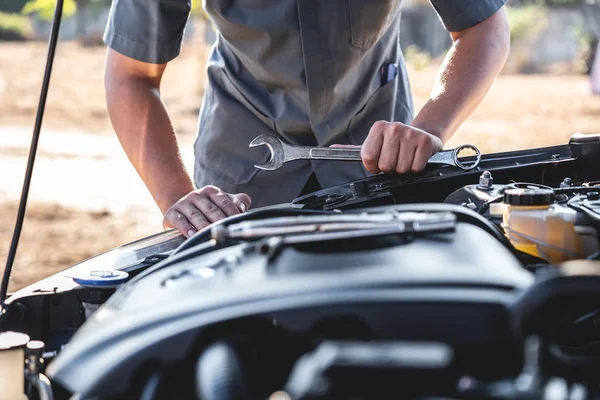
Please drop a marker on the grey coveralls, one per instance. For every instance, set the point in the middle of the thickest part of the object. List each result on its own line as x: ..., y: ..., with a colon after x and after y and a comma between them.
x: 308, y: 70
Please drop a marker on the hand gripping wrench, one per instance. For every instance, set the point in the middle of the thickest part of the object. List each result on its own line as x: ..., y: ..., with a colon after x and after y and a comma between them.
x: 282, y: 153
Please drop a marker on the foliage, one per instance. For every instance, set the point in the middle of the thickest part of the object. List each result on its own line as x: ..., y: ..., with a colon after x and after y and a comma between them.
x: 14, y: 27
x: 527, y: 21
x: 45, y: 8
x: 587, y: 46
x: 416, y: 58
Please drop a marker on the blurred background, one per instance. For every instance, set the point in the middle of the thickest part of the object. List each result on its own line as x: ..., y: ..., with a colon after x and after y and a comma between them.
x: 86, y: 198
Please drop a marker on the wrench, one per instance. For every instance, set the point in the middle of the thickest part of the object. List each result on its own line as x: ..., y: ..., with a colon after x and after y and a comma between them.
x: 282, y: 153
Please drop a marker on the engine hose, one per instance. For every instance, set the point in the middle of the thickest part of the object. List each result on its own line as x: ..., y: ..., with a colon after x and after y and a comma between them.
x: 220, y: 374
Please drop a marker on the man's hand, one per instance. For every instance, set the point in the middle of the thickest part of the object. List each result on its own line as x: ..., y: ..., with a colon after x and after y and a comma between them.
x: 394, y: 147
x: 202, y: 207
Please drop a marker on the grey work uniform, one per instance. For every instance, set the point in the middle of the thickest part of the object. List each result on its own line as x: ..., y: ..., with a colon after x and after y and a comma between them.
x: 308, y: 70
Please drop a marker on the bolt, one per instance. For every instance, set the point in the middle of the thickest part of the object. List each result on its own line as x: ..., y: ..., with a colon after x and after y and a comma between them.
x: 486, y: 181
x: 567, y: 182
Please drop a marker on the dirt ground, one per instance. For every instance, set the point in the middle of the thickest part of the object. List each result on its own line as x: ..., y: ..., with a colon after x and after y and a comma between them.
x: 520, y: 111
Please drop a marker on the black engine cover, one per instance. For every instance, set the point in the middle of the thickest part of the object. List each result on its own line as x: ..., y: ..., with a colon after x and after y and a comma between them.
x: 449, y: 287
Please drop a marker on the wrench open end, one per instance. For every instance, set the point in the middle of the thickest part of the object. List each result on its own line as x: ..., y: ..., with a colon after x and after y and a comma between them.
x: 275, y: 147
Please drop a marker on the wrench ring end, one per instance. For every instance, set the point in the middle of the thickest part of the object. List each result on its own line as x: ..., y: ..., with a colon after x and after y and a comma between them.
x: 467, y: 166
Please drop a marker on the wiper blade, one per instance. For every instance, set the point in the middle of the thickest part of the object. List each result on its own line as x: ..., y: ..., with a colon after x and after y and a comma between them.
x: 315, y: 228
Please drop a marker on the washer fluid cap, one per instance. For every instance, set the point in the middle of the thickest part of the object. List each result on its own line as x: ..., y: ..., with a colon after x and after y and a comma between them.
x: 529, y: 197
x: 108, y: 278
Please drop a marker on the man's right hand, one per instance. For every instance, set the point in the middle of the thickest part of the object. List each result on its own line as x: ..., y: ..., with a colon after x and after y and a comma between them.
x: 202, y: 207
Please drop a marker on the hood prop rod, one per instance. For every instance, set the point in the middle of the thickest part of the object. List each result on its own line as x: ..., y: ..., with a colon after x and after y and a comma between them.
x: 32, y: 150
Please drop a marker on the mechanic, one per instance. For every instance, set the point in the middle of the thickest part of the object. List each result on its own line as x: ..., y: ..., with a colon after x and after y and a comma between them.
x: 315, y: 72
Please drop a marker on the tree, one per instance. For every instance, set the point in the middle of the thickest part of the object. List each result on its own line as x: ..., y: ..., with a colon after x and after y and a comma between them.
x: 45, y: 8
x: 81, y: 9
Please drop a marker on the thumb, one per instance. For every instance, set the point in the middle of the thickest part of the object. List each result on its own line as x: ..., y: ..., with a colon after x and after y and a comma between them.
x: 241, y: 200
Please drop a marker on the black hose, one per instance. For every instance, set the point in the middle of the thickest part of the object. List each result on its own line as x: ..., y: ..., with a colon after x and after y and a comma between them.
x: 32, y: 150
x: 220, y: 374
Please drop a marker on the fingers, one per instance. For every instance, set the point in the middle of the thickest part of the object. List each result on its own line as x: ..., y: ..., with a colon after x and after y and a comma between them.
x: 390, y: 150
x: 203, y: 207
x: 241, y: 200
x: 427, y: 145
x: 406, y: 157
x: 396, y: 147
x: 192, y: 209
x: 205, y: 203
x: 371, y: 148
x: 175, y: 219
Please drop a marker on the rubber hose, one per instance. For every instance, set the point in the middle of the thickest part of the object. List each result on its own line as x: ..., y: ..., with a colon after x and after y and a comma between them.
x: 220, y: 374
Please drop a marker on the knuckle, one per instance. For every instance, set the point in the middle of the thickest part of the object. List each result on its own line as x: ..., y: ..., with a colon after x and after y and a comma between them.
x: 199, y: 223
x: 186, y: 227
x: 369, y: 155
x: 397, y: 128
x: 417, y: 167
x: 195, y: 196
x: 212, y: 211
x: 170, y: 214
x: 386, y: 166
x: 422, y: 140
x: 210, y: 207
x: 196, y: 215
x: 379, y: 125
x: 409, y: 134
x: 181, y: 225
x: 225, y: 202
x: 402, y: 168
x: 205, y: 191
x: 173, y: 215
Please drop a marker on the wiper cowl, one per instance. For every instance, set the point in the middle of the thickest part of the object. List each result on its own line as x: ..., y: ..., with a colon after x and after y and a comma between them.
x: 304, y: 229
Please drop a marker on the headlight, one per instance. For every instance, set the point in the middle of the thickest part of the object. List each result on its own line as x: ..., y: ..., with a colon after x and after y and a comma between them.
x: 122, y: 258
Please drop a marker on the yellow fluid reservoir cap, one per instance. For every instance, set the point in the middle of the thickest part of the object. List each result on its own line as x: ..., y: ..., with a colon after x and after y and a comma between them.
x: 529, y: 197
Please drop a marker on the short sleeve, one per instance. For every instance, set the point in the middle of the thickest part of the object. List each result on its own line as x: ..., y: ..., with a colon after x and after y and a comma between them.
x: 458, y: 15
x: 147, y: 30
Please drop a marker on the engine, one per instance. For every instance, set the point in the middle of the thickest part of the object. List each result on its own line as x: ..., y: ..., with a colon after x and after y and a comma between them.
x: 371, y: 282
x: 489, y: 289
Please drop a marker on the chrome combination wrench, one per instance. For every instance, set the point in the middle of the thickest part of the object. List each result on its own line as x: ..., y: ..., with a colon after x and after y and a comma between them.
x: 282, y: 153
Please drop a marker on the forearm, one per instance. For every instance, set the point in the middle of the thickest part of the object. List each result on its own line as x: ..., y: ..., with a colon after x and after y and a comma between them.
x: 146, y: 134
x: 468, y: 71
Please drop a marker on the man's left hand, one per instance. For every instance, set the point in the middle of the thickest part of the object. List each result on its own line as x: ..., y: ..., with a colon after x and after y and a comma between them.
x: 393, y: 147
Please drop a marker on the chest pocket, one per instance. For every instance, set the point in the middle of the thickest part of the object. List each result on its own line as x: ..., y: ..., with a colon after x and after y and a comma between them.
x: 369, y: 19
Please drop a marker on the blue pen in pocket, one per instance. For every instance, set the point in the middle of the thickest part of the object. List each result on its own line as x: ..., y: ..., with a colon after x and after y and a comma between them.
x: 388, y: 73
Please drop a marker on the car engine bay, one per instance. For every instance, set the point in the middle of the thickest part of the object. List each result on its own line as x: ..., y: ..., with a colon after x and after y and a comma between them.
x: 460, y: 284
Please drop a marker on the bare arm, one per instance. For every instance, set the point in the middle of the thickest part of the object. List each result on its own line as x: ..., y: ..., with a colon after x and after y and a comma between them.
x: 469, y: 69
x: 144, y: 129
